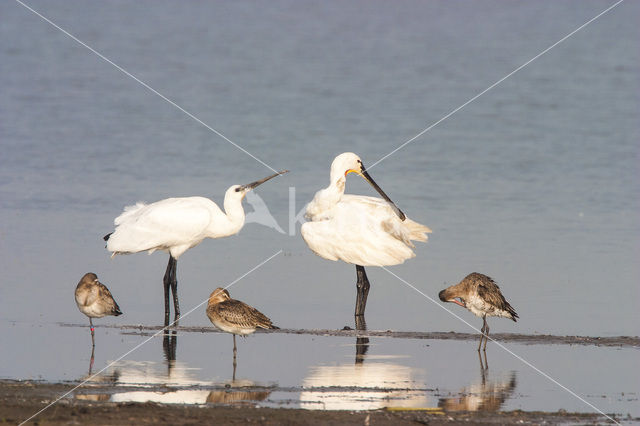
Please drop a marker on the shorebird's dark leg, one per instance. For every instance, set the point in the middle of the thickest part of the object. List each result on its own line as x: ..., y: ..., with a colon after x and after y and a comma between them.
x: 93, y: 350
x: 484, y: 324
x: 235, y: 352
x: 362, y: 289
x: 93, y: 339
x: 486, y: 333
x: 93, y: 346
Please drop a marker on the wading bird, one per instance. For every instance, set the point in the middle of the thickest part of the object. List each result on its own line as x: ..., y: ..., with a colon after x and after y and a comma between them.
x: 364, y: 231
x: 482, y: 297
x: 95, y: 300
x: 175, y: 225
x: 235, y: 317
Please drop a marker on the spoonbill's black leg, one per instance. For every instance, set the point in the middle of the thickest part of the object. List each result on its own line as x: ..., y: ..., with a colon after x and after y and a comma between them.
x: 174, y: 290
x: 362, y: 289
x: 169, y: 278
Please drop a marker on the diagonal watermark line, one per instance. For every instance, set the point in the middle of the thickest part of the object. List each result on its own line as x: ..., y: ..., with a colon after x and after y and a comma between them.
x: 162, y: 330
x: 145, y: 85
x: 503, y: 347
x: 497, y: 83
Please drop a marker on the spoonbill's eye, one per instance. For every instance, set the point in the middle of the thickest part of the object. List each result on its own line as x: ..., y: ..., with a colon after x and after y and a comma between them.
x: 238, y: 189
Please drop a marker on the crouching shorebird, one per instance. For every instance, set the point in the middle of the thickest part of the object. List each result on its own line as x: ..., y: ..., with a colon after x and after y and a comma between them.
x: 482, y: 297
x: 235, y: 317
x: 363, y: 231
x: 95, y: 300
x: 175, y: 225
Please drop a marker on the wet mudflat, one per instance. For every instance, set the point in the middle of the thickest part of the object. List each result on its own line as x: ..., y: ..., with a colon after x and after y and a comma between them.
x: 18, y: 401
x: 619, y: 341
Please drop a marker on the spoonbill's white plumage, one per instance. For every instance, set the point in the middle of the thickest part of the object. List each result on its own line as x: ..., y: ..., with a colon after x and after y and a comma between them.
x: 95, y: 300
x: 364, y: 231
x: 175, y: 225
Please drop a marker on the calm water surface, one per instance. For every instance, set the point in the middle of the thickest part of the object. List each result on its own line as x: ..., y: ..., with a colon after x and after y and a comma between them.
x: 535, y: 183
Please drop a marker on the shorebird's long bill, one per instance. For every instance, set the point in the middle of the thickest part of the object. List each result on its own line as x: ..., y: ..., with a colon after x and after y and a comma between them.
x: 252, y: 185
x: 381, y: 192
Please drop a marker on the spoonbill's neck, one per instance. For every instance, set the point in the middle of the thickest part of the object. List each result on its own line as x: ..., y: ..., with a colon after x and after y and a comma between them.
x: 328, y: 197
x: 234, y: 213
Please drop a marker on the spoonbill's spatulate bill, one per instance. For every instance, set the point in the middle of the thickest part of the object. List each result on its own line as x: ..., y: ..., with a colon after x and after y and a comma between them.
x: 95, y: 300
x: 482, y: 297
x: 364, y: 231
x: 175, y: 225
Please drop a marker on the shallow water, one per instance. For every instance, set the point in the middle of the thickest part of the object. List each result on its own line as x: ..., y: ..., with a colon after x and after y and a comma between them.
x: 338, y: 373
x: 535, y: 183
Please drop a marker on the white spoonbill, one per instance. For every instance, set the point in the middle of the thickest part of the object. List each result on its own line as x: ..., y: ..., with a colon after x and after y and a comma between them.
x: 175, y: 225
x: 364, y: 231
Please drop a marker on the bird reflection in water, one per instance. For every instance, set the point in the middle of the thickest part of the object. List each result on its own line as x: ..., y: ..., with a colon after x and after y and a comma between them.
x: 488, y: 395
x: 149, y: 381
x: 238, y: 392
x: 362, y: 343
x: 169, y: 346
x: 372, y: 385
x: 86, y: 393
x: 363, y: 386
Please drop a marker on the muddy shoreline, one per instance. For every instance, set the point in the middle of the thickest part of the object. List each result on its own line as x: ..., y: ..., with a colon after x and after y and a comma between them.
x: 529, y: 339
x: 19, y: 400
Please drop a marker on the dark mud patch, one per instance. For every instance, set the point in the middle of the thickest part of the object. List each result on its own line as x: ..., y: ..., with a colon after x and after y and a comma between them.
x: 21, y: 400
x: 528, y: 339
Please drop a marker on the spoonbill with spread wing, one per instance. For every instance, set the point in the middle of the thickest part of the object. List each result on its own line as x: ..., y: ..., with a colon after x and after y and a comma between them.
x: 364, y: 231
x: 175, y: 225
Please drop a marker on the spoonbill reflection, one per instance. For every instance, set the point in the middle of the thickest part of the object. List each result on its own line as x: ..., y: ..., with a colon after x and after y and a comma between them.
x: 364, y: 231
x: 95, y: 301
x: 150, y: 381
x: 368, y: 386
x: 482, y: 297
x: 175, y: 225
